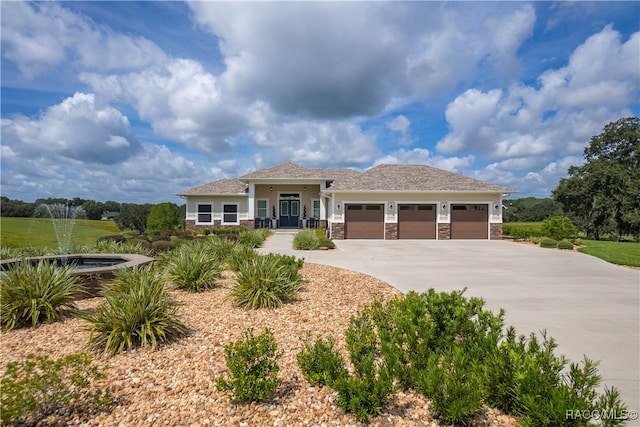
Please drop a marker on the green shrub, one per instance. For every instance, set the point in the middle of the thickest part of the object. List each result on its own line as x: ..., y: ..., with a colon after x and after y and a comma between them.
x: 161, y: 246
x: 310, y: 239
x: 253, y: 238
x: 578, y: 242
x: 221, y: 247
x: 325, y: 242
x: 193, y: 268
x: 366, y: 391
x: 548, y: 242
x: 137, y: 311
x: 38, y: 386
x: 320, y: 362
x: 240, y: 255
x: 305, y: 240
x: 116, y: 238
x: 32, y: 293
x: 132, y: 246
x: 266, y: 281
x: 364, y: 396
x: 252, y: 364
x: 565, y: 244
x: 454, y: 383
x: 522, y: 230
x: 558, y: 228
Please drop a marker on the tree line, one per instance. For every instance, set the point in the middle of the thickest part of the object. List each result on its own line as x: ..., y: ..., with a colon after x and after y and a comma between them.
x: 130, y: 216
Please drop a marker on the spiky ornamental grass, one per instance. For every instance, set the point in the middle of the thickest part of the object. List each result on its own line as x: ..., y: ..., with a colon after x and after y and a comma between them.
x: 193, y: 268
x: 137, y: 312
x: 266, y: 281
x: 32, y: 293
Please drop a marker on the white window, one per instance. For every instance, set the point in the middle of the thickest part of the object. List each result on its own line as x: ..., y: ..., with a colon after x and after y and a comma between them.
x: 230, y: 213
x: 262, y: 206
x: 316, y: 208
x: 204, y: 214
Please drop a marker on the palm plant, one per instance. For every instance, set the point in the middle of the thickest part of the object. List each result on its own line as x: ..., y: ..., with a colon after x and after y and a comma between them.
x: 137, y: 311
x: 193, y: 268
x: 266, y: 281
x: 37, y: 292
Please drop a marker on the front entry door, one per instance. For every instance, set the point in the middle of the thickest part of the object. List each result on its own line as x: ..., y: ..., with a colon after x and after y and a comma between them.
x: 289, y: 213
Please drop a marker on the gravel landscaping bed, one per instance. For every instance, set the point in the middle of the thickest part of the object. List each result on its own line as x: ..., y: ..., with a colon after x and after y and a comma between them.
x: 174, y: 384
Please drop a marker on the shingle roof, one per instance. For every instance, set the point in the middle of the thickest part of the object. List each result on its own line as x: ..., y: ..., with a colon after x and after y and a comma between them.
x: 291, y: 170
x: 379, y: 178
x: 413, y: 178
x: 222, y: 186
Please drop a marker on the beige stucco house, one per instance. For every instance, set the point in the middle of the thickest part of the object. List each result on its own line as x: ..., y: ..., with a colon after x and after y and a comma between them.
x: 384, y: 202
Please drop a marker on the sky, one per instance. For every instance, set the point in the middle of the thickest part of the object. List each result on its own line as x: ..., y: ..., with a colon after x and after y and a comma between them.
x: 137, y: 101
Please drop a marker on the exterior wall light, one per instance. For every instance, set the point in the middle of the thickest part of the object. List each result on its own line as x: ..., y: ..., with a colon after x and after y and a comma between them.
x: 271, y: 188
x: 391, y: 206
x: 338, y: 206
x: 444, y: 207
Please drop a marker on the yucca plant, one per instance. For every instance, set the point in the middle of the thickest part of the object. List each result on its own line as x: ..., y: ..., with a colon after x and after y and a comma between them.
x: 266, y: 281
x: 33, y: 293
x: 193, y: 268
x: 253, y: 238
x: 137, y: 311
x: 240, y: 255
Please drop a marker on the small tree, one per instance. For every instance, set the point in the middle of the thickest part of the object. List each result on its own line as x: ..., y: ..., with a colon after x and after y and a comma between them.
x: 163, y: 216
x: 133, y: 217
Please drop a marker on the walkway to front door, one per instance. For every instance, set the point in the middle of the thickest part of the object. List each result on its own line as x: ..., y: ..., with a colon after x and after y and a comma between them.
x: 289, y: 213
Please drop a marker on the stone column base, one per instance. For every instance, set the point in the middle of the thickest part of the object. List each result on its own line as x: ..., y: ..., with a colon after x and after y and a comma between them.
x: 444, y: 231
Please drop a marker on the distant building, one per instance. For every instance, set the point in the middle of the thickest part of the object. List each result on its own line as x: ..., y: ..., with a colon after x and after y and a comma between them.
x: 109, y: 215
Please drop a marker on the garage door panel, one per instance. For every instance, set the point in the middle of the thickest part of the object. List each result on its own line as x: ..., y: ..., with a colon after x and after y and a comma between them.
x: 469, y: 222
x: 416, y: 221
x: 364, y: 221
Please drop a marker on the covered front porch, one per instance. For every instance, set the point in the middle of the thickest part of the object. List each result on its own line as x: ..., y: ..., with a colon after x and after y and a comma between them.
x: 282, y: 205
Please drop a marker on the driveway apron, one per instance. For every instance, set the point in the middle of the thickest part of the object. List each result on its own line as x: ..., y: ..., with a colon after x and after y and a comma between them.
x: 590, y: 307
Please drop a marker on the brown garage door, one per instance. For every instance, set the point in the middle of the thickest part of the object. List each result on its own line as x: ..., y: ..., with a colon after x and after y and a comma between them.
x: 364, y: 221
x: 416, y: 222
x: 469, y: 222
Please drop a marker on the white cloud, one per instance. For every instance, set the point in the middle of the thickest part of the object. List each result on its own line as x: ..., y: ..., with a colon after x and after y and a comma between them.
x: 182, y: 102
x: 38, y: 37
x: 401, y: 125
x: 571, y: 105
x: 318, y: 143
x: 77, y: 129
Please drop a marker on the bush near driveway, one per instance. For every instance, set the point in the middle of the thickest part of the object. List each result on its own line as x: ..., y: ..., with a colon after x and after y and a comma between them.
x: 308, y: 239
x: 558, y: 228
x: 457, y: 354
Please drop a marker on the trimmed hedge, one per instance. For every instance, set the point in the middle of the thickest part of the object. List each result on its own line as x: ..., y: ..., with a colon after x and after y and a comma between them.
x: 548, y: 242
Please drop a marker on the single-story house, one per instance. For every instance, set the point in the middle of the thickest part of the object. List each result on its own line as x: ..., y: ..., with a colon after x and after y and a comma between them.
x: 384, y: 202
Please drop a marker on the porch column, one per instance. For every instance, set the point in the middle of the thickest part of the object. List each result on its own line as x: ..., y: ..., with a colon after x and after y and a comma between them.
x: 251, y: 208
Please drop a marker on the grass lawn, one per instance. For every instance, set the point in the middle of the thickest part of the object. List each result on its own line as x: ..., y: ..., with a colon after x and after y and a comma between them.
x: 20, y: 232
x: 623, y: 253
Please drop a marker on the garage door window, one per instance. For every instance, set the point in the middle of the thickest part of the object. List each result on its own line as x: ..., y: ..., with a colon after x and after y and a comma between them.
x: 354, y: 207
x: 459, y: 208
x: 374, y: 207
x: 425, y: 208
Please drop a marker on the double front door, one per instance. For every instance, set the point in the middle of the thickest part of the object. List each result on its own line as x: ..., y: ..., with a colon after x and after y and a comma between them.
x: 289, y: 213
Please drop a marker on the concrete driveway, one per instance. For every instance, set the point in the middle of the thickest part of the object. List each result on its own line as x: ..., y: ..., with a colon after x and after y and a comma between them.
x: 589, y: 306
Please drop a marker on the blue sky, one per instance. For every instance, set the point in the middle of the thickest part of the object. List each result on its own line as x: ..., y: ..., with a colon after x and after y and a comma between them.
x: 137, y: 101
